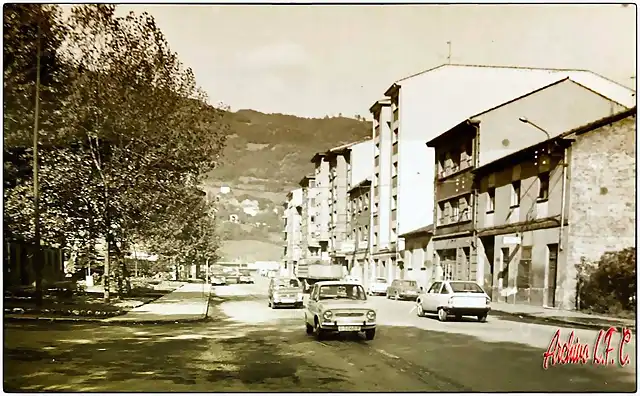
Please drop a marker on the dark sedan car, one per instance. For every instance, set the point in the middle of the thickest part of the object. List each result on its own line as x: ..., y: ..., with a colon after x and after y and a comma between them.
x: 401, y: 289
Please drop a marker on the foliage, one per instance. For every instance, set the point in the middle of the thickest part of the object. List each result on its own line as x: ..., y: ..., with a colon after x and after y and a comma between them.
x: 126, y: 132
x: 609, y: 286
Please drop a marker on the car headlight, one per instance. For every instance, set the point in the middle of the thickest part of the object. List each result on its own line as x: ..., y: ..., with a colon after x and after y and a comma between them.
x: 327, y: 315
x: 371, y: 315
x: 488, y: 301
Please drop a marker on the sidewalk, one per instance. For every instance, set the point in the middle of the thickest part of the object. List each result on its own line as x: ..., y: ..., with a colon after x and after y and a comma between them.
x: 561, y: 317
x: 189, y: 302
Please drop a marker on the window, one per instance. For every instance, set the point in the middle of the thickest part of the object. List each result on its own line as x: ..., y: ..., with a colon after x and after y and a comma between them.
x: 465, y: 209
x: 524, y: 268
x: 312, y: 202
x: 365, y: 236
x: 543, y: 193
x: 441, y: 164
x: 441, y: 216
x: 455, y: 212
x: 435, y: 288
x: 312, y: 183
x: 313, y: 219
x: 491, y: 204
x: 515, y: 194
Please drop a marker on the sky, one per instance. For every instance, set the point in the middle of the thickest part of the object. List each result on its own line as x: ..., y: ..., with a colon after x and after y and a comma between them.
x: 313, y: 61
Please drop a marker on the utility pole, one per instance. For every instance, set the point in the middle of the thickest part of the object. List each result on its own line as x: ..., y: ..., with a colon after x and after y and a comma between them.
x: 37, y: 257
x: 449, y: 56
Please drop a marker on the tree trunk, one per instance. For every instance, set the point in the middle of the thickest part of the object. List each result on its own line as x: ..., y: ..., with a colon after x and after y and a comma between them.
x: 107, y: 271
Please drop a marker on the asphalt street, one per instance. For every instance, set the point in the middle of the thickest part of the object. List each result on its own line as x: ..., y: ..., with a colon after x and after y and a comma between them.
x: 247, y: 346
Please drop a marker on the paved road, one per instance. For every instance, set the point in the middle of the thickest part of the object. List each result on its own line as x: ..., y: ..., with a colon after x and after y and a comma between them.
x: 247, y: 346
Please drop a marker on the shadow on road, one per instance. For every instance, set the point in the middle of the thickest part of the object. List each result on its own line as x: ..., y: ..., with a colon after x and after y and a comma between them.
x: 231, y: 355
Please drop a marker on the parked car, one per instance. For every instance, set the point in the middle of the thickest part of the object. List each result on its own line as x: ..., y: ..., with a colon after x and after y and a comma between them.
x: 285, y: 292
x: 401, y: 289
x: 272, y: 274
x: 457, y: 298
x: 378, y: 287
x: 245, y: 277
x: 339, y: 306
x: 218, y: 280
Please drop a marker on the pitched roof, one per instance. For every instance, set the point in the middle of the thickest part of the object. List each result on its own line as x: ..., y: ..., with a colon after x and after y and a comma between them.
x: 457, y: 92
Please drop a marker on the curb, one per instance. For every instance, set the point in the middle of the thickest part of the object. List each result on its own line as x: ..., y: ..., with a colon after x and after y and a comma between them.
x: 552, y: 320
x: 16, y: 318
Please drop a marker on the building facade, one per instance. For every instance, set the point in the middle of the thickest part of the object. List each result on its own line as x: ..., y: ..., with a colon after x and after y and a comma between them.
x: 359, y: 228
x: 339, y: 167
x: 311, y: 226
x: 323, y: 198
x: 292, y: 230
x: 418, y: 256
x: 546, y: 208
x: 383, y: 240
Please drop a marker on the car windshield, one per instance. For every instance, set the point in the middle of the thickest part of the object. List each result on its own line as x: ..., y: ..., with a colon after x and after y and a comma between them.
x: 409, y: 283
x: 342, y: 292
x: 287, y: 283
x: 381, y: 280
x: 465, y: 287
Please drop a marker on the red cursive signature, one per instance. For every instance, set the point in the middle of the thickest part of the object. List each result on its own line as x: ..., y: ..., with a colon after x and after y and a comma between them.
x: 572, y: 351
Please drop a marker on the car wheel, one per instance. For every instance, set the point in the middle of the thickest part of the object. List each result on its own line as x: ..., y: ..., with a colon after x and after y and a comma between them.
x: 269, y: 303
x: 442, y: 315
x: 397, y: 296
x: 309, y: 327
x: 482, y: 318
x: 370, y: 334
x: 319, y: 333
x: 420, y: 309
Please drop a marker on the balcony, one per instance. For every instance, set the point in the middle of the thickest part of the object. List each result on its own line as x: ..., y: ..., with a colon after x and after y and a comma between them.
x: 394, y: 148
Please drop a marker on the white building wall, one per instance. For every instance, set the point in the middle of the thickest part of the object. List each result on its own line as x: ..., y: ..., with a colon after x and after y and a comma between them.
x: 361, y: 162
x: 384, y: 182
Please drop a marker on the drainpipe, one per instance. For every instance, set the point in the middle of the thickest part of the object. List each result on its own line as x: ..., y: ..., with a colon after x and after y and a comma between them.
x: 564, y: 194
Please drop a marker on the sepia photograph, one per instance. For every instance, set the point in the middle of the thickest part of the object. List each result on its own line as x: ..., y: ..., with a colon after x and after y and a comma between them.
x: 320, y: 197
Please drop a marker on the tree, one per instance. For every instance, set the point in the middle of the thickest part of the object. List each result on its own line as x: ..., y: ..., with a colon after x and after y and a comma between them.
x: 143, y: 127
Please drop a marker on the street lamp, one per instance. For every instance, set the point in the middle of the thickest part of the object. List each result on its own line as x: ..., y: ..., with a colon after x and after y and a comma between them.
x: 526, y: 121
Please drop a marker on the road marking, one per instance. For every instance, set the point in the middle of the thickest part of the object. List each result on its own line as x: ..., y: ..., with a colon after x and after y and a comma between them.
x: 387, y: 354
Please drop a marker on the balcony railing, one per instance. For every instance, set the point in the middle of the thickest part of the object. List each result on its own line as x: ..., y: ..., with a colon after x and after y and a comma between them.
x: 394, y: 149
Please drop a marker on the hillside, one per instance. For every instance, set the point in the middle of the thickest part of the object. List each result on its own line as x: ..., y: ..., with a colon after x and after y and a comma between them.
x: 265, y: 157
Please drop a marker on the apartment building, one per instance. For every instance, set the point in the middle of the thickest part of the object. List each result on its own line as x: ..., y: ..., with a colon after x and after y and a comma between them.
x: 311, y: 225
x: 383, y: 241
x: 292, y: 217
x: 425, y: 105
x: 461, y: 250
x: 323, y: 198
x: 347, y: 163
x: 359, y: 232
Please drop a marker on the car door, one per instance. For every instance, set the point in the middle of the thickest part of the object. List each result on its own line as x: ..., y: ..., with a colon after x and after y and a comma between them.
x: 429, y: 300
x: 312, y: 305
x: 444, y: 295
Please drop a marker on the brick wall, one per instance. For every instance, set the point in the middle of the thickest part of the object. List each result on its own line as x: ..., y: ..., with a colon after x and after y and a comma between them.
x: 601, y: 196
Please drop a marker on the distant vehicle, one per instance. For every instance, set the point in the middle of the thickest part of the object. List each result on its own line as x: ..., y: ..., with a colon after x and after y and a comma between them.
x: 403, y: 290
x: 245, y: 277
x: 272, y: 274
x: 310, y: 272
x: 218, y: 279
x: 378, y: 287
x: 457, y: 298
x: 285, y: 292
x: 339, y: 306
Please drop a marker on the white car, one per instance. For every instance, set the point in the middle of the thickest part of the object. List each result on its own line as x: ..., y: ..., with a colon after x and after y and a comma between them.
x: 378, y: 287
x: 339, y: 306
x: 457, y: 298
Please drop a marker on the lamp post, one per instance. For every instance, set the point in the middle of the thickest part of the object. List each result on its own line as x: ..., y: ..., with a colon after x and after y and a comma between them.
x: 526, y: 121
